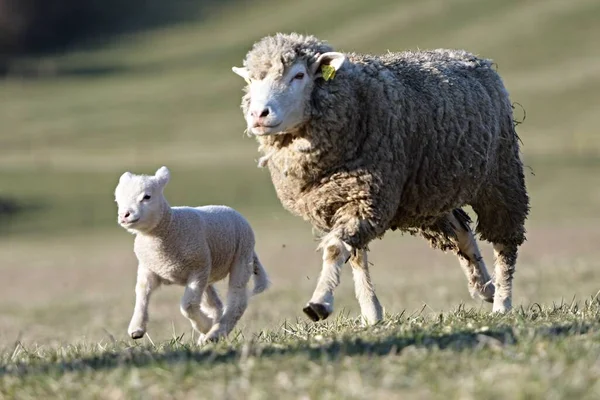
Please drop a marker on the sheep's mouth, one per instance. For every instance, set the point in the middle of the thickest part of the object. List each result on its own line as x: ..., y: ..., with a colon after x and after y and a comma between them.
x: 264, y: 130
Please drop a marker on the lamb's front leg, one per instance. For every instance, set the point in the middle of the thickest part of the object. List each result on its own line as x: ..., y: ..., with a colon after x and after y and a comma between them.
x: 146, y: 283
x: 335, y: 255
x: 190, y: 304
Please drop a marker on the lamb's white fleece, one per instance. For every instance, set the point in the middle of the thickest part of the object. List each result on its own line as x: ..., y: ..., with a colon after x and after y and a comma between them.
x: 189, y: 246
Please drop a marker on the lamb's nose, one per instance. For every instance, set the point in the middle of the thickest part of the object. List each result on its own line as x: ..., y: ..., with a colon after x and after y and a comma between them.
x: 127, y: 214
x: 260, y: 114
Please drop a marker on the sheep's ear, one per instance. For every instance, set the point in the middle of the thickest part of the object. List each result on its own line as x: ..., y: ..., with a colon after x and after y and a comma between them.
x: 327, y: 64
x: 162, y: 175
x: 243, y: 72
x: 126, y: 175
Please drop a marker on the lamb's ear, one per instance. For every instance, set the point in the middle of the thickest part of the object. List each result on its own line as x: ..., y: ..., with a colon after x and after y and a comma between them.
x: 126, y: 175
x: 162, y: 175
x: 243, y: 72
x: 332, y: 59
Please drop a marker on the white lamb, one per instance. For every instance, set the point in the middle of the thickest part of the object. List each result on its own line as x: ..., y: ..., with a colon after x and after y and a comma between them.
x: 192, y: 247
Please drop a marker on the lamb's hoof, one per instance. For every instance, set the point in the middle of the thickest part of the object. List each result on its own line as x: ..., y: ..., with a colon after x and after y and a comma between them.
x: 211, y: 337
x: 317, y: 312
x: 137, y: 334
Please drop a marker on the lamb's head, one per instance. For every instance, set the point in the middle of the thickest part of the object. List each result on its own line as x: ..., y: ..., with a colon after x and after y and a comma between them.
x: 281, y: 71
x: 140, y: 200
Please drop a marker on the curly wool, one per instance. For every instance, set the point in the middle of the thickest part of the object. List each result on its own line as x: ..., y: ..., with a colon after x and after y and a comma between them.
x: 397, y: 141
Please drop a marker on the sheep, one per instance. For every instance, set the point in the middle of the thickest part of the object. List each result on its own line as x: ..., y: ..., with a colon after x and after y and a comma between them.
x: 191, y: 247
x: 361, y: 144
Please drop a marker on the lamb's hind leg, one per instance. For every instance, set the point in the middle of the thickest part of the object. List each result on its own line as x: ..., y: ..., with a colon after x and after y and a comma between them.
x: 365, y: 293
x: 470, y: 259
x: 211, y: 304
x: 237, y: 301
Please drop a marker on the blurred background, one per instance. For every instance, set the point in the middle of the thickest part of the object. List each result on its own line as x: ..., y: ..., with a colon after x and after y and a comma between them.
x: 90, y: 89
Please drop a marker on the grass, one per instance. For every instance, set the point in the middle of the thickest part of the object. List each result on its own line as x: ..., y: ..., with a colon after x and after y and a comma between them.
x: 72, y: 122
x: 541, y: 352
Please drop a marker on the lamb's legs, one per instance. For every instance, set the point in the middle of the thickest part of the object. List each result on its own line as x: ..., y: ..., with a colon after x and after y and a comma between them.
x: 237, y: 301
x: 505, y: 260
x: 335, y: 254
x: 146, y: 283
x: 211, y: 303
x: 190, y: 305
x: 365, y: 293
x: 472, y: 262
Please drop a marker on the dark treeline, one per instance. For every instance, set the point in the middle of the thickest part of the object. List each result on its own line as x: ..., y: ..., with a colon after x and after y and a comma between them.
x: 40, y: 26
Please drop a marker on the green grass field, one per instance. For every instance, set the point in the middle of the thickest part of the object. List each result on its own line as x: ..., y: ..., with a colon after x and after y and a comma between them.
x: 71, y: 123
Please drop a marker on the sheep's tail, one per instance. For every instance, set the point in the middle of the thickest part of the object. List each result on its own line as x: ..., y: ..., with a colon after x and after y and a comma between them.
x: 261, y: 280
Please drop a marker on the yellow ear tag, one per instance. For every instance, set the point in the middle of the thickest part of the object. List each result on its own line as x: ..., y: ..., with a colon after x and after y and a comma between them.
x: 328, y: 72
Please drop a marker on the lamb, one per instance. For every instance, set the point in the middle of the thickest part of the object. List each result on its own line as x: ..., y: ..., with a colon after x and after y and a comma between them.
x: 192, y: 247
x: 361, y: 144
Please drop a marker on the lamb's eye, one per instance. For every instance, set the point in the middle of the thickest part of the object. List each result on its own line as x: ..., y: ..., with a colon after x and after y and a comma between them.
x: 299, y: 75
x: 146, y: 197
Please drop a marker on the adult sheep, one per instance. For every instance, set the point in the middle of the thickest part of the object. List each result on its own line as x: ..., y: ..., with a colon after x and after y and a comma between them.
x: 359, y: 144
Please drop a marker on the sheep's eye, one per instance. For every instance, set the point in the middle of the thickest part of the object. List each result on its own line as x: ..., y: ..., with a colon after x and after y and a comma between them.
x: 146, y: 197
x: 299, y: 75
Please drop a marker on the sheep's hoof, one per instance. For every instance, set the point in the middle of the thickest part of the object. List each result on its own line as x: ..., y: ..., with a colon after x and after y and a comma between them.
x: 316, y: 312
x: 137, y: 334
x: 502, y: 306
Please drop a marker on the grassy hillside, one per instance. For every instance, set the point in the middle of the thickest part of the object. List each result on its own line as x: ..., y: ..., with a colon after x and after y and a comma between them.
x: 169, y: 96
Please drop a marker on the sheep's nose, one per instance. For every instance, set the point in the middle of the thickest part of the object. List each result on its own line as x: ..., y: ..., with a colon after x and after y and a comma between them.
x: 260, y: 113
x: 126, y: 215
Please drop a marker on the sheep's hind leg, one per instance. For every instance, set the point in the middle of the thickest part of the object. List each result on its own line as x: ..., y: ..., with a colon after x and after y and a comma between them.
x: 365, y: 293
x: 469, y: 256
x: 505, y: 260
x: 190, y: 305
x: 335, y: 255
x: 236, y: 304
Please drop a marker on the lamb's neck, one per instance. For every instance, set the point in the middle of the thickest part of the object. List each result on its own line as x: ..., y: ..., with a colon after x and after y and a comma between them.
x: 162, y: 230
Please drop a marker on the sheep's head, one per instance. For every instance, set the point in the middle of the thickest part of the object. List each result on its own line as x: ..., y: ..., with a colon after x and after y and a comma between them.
x: 140, y: 200
x: 281, y: 72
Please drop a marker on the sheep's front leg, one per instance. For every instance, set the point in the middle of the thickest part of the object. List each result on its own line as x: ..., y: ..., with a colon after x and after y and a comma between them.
x: 335, y: 255
x: 365, y: 292
x: 146, y: 283
x: 190, y: 305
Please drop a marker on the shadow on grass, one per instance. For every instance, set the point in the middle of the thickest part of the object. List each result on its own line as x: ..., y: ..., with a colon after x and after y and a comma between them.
x: 141, y: 356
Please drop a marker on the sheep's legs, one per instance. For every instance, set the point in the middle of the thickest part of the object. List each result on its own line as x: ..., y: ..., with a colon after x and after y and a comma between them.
x: 211, y: 303
x: 335, y: 254
x: 472, y: 262
x: 365, y: 293
x: 505, y: 260
x: 237, y: 301
x: 190, y: 305
x: 146, y: 283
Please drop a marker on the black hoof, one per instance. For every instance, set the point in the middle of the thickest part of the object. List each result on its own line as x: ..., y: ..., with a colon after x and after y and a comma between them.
x: 316, y: 312
x: 137, y: 335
